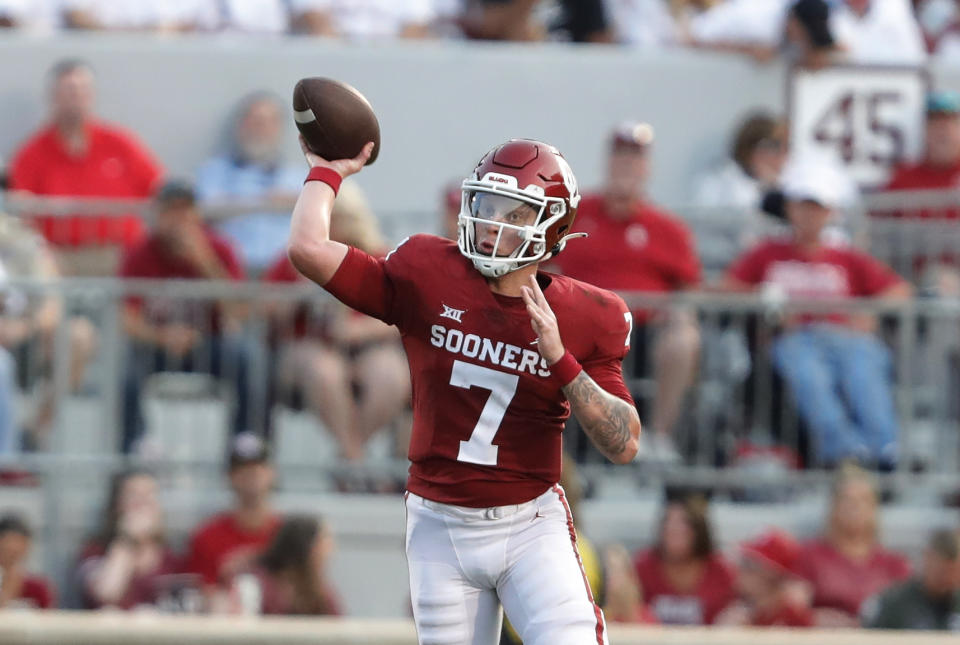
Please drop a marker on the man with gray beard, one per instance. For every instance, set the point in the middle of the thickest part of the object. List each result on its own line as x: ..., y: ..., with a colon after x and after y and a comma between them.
x: 252, y: 172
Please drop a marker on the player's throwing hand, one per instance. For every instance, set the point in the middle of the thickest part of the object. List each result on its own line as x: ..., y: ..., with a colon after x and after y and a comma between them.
x: 345, y: 167
x: 543, y: 321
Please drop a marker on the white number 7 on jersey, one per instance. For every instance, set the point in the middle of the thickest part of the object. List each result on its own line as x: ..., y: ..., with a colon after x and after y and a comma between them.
x: 480, y: 449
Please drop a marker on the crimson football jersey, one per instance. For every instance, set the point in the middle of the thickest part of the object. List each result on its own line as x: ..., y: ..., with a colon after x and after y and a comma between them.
x: 488, y: 416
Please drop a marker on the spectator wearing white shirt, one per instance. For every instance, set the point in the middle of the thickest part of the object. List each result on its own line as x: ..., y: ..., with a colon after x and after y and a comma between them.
x: 738, y: 185
x: 363, y: 19
x: 448, y: 18
x: 137, y: 15
x: 757, y: 155
x: 879, y: 32
x: 645, y: 24
x: 747, y: 26
x: 800, y: 29
x: 948, y: 47
x: 264, y: 17
x: 934, y: 16
x: 32, y: 16
x: 940, y: 22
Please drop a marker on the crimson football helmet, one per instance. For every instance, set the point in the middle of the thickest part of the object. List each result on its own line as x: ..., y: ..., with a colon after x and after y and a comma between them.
x: 517, y: 207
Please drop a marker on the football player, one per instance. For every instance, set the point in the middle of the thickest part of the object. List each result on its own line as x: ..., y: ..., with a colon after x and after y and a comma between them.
x: 499, y: 354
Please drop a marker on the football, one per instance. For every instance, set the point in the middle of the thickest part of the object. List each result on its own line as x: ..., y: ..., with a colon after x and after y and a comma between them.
x: 335, y: 119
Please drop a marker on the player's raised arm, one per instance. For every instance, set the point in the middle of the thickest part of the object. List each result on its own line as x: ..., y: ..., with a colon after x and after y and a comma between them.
x: 310, y: 248
x: 611, y: 423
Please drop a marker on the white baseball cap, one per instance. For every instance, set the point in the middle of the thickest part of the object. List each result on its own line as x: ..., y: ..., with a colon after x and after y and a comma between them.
x: 817, y: 180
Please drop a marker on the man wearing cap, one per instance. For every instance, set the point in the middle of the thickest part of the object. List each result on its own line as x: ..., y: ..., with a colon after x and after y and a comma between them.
x: 929, y: 601
x: 227, y: 543
x: 836, y: 368
x: 633, y: 246
x: 940, y: 166
x: 772, y: 594
x: 167, y: 333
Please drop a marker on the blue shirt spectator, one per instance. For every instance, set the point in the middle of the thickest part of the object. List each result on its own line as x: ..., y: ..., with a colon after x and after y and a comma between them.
x: 252, y: 171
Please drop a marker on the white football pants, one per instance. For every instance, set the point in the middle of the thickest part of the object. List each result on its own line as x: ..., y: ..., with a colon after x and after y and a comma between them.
x: 465, y: 562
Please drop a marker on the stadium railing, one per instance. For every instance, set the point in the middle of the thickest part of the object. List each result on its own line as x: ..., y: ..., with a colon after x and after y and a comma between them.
x: 737, y: 399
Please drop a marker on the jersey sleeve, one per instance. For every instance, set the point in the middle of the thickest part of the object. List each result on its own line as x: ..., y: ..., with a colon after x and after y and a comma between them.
x: 605, y: 365
x: 377, y: 287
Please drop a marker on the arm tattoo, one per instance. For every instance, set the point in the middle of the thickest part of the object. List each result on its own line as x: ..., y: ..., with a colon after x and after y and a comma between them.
x: 604, y: 417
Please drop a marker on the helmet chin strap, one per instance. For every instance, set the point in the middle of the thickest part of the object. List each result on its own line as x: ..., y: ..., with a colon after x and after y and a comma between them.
x: 562, y: 243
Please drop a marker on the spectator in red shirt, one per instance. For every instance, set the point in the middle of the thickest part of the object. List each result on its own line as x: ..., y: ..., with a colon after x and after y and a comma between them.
x: 837, y: 369
x: 684, y: 579
x: 847, y: 564
x: 771, y: 592
x: 291, y: 575
x: 325, y: 357
x: 181, y: 334
x: 934, y: 263
x: 940, y: 166
x: 19, y: 589
x: 229, y: 542
x: 77, y: 155
x: 632, y: 246
x: 128, y: 564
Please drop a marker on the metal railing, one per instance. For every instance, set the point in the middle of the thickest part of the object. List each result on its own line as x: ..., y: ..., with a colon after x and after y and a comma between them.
x: 736, y: 396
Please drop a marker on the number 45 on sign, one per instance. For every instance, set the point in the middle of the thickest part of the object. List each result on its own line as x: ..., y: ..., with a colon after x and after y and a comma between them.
x: 870, y: 118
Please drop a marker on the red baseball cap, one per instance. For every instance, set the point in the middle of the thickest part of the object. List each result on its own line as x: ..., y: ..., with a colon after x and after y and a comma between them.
x: 775, y: 550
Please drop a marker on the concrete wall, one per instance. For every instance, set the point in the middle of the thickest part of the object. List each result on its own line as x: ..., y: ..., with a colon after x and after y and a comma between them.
x: 441, y: 105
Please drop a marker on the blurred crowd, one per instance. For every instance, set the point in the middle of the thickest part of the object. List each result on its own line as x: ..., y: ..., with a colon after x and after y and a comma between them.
x: 250, y: 559
x: 876, y: 31
x: 230, y: 223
